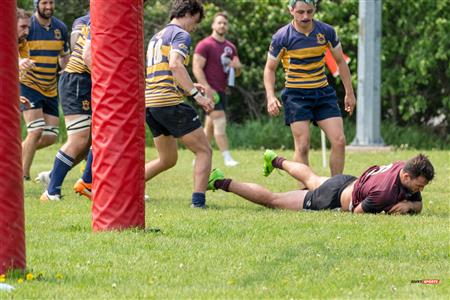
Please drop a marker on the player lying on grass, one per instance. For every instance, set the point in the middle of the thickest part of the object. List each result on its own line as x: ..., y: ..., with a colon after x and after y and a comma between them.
x: 394, y: 188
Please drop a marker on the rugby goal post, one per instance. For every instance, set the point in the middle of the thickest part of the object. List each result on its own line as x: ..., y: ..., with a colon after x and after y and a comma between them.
x: 118, y: 114
x: 12, y: 229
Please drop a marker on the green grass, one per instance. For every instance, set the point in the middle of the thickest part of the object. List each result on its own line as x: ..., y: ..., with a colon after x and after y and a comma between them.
x: 236, y: 249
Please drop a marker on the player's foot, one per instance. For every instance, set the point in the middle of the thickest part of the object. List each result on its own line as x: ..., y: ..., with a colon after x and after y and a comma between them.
x: 230, y: 162
x: 146, y: 198
x: 26, y: 178
x: 43, y: 178
x: 198, y: 206
x: 215, y: 175
x: 45, y: 197
x: 269, y: 156
x: 83, y: 189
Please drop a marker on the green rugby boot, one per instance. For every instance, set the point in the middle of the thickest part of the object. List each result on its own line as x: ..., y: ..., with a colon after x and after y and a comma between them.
x: 215, y: 175
x: 269, y: 156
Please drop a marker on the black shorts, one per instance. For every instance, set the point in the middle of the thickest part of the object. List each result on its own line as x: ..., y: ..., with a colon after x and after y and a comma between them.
x: 176, y: 120
x: 328, y: 195
x: 75, y: 93
x: 49, y: 105
x: 222, y: 104
x: 309, y: 104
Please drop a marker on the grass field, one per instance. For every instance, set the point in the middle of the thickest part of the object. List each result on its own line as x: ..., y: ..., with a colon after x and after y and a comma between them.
x: 236, y: 249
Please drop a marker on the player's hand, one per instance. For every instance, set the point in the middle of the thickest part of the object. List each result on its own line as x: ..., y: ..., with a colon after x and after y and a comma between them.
x: 206, y: 103
x: 26, y: 64
x: 235, y: 63
x: 25, y: 102
x: 400, y: 208
x: 273, y: 106
x: 200, y: 87
x: 349, y: 103
x: 209, y: 92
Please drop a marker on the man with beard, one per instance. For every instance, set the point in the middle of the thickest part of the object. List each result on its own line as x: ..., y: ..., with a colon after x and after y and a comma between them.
x: 307, y: 97
x: 25, y: 63
x: 394, y: 189
x: 215, y: 59
x: 48, y: 46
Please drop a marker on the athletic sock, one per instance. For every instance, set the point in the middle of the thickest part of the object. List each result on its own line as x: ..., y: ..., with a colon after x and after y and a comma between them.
x: 222, y: 184
x: 278, y: 162
x: 227, y: 155
x: 87, y: 174
x: 198, y: 199
x: 61, y: 166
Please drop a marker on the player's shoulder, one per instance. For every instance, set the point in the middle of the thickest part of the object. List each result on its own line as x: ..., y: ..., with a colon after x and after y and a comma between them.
x: 283, y: 31
x: 57, y: 23
x: 322, y: 26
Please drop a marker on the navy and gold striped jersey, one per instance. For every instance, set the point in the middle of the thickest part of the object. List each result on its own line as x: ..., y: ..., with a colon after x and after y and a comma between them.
x: 161, y: 88
x: 45, y: 46
x: 303, y: 57
x: 80, y: 22
x: 76, y: 63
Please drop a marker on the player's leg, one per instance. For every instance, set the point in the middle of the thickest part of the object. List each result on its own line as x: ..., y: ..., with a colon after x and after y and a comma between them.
x: 329, y: 118
x: 334, y: 130
x: 256, y: 193
x: 219, y: 121
x: 209, y: 128
x: 167, y: 156
x: 301, y: 135
x: 34, y: 120
x: 299, y: 171
x: 50, y: 134
x: 197, y: 142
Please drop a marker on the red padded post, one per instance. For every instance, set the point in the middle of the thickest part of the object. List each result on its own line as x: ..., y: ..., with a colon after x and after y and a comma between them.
x: 118, y: 117
x: 12, y: 234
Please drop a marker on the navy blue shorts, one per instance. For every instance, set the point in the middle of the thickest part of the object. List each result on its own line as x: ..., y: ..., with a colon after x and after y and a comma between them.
x: 309, y: 104
x: 75, y: 93
x: 222, y: 104
x: 49, y: 105
x: 177, y: 120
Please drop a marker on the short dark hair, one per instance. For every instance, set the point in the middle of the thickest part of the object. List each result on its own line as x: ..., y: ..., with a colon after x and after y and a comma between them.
x: 23, y: 14
x: 419, y: 165
x: 220, y: 14
x: 182, y: 7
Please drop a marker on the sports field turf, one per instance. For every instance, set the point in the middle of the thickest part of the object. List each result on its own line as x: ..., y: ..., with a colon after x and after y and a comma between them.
x: 236, y: 249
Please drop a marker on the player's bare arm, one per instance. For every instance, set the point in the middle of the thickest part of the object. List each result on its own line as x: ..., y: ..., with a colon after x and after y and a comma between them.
x: 198, y: 65
x: 344, y: 71
x: 26, y: 64
x: 87, y: 55
x: 406, y: 207
x: 181, y: 75
x: 63, y: 60
x: 236, y: 64
x: 273, y: 104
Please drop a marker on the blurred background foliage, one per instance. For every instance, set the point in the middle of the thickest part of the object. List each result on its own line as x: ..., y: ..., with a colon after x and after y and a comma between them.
x: 415, y: 52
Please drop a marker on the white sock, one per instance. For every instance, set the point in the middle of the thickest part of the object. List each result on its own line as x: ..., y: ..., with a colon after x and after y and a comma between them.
x: 226, y: 155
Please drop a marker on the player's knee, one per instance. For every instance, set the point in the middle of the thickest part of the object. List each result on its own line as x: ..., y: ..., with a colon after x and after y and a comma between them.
x: 338, y: 141
x: 168, y: 162
x: 81, y: 124
x: 220, y: 125
x: 35, y: 128
x: 303, y: 147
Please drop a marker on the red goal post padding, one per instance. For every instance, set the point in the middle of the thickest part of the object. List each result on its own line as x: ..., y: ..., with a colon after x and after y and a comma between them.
x: 12, y: 234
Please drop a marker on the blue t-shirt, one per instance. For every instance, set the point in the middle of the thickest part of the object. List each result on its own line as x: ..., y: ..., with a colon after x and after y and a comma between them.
x: 303, y: 56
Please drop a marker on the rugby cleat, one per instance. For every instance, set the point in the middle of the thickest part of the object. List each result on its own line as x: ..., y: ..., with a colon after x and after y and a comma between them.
x: 83, y: 189
x: 45, y: 197
x: 230, y: 162
x: 215, y: 175
x: 269, y: 156
x: 43, y: 178
x: 146, y: 198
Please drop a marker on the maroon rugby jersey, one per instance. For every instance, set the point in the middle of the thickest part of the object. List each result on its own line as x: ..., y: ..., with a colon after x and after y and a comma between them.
x: 379, y: 189
x: 218, y: 56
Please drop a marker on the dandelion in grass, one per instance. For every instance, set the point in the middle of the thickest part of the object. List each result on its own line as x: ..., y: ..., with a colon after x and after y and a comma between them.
x: 30, y: 277
x: 2, y: 277
x: 58, y: 276
x: 20, y: 280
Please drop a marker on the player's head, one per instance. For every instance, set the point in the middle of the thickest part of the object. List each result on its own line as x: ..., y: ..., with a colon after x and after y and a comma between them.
x: 44, y: 8
x: 220, y: 23
x: 302, y: 11
x: 23, y: 24
x: 417, y: 173
x: 191, y: 11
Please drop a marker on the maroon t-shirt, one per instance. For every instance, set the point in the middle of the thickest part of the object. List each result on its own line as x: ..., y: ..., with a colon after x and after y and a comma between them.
x: 218, y: 56
x: 379, y: 189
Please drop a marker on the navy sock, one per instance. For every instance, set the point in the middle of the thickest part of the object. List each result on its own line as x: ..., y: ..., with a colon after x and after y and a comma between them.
x: 87, y: 174
x: 63, y: 163
x: 198, y: 199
